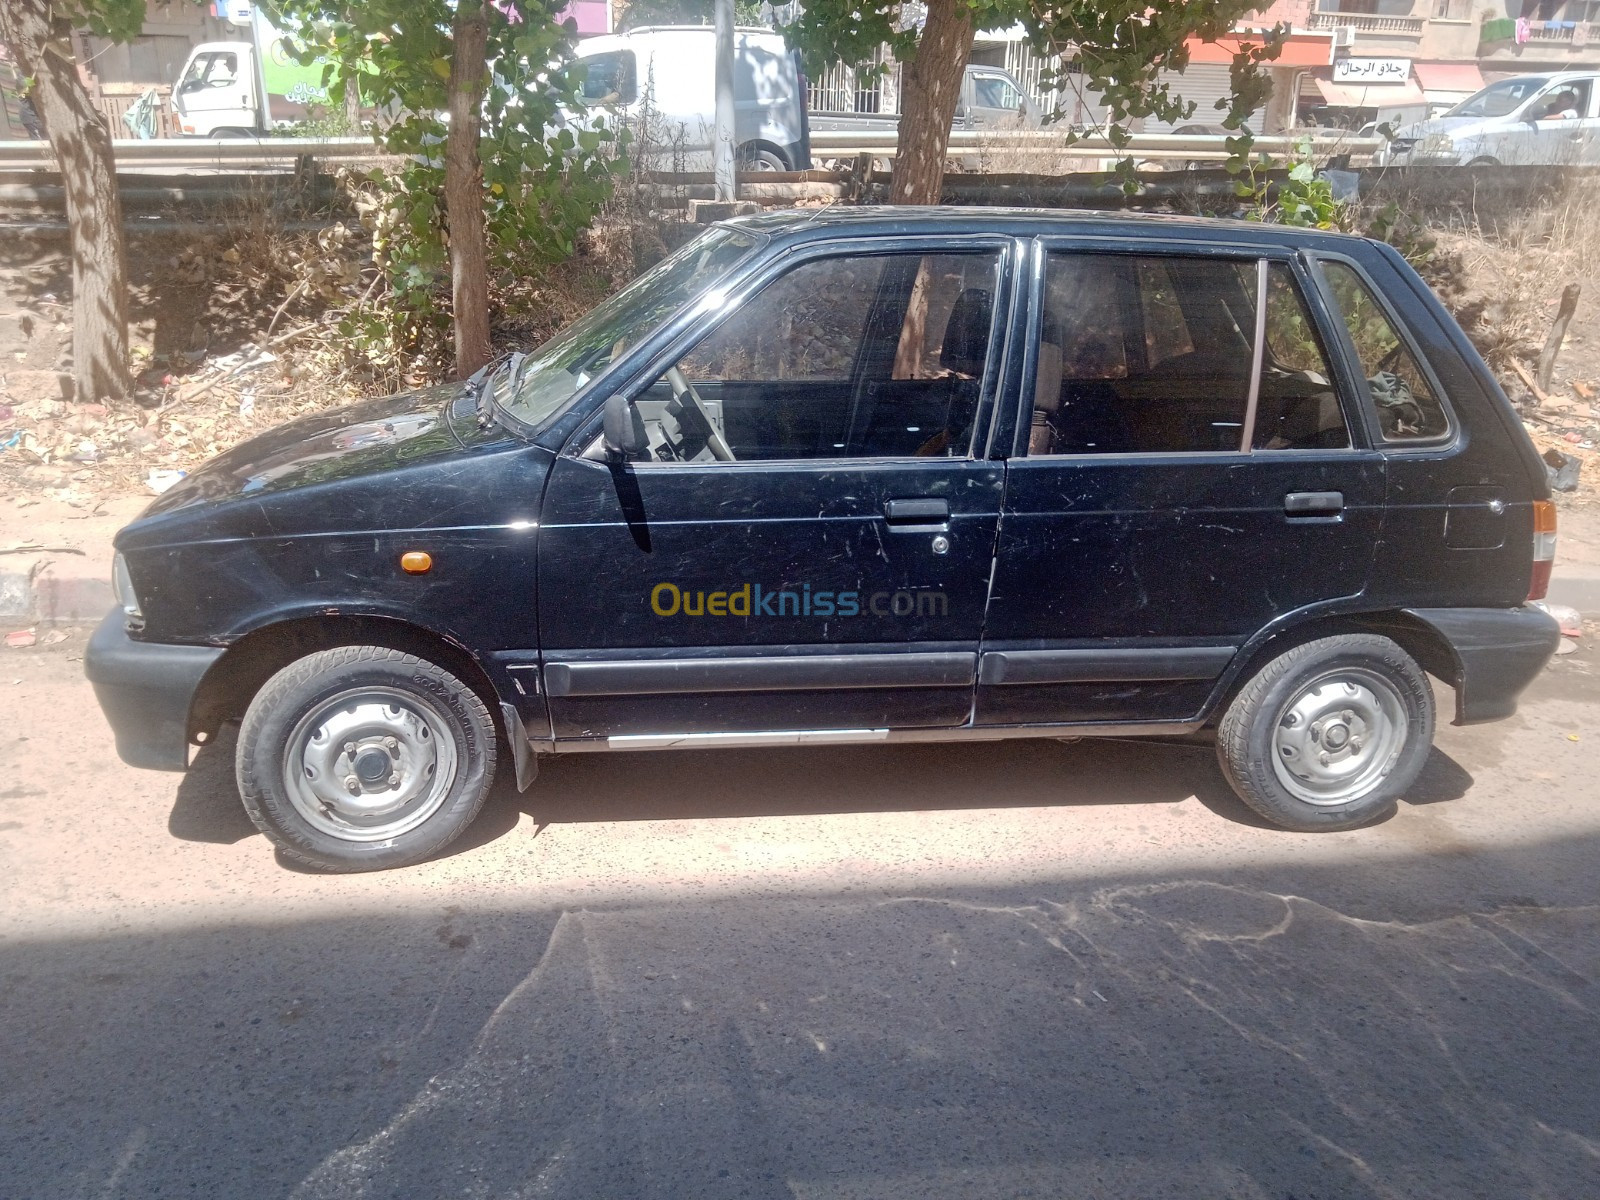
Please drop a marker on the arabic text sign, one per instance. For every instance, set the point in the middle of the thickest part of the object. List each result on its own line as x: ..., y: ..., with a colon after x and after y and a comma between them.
x: 1371, y: 70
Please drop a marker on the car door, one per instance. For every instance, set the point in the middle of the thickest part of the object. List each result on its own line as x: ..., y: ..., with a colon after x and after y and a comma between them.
x: 994, y: 100
x: 1173, y: 493
x: 804, y: 544
x: 1562, y: 125
x: 217, y: 92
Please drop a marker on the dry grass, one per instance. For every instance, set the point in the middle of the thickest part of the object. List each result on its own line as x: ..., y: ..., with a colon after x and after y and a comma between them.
x: 1514, y: 265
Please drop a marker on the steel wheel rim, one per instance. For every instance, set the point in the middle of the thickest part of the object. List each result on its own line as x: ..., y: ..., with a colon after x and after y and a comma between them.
x: 369, y: 764
x: 1339, y: 736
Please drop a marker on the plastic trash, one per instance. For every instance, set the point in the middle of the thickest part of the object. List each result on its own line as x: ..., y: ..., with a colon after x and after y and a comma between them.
x: 159, y: 481
x: 1569, y: 618
x: 1563, y: 469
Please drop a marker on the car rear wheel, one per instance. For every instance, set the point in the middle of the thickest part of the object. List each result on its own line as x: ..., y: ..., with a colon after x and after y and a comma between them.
x: 1329, y: 734
x: 363, y: 757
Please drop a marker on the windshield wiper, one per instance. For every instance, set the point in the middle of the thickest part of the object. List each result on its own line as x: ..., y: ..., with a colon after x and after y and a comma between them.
x: 477, y: 390
x: 481, y: 385
x: 511, y: 372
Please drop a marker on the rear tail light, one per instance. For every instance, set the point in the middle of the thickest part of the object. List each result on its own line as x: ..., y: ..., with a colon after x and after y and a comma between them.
x: 1544, y: 547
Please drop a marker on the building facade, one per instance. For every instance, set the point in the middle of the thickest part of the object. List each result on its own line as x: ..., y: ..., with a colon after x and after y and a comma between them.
x: 1412, y: 58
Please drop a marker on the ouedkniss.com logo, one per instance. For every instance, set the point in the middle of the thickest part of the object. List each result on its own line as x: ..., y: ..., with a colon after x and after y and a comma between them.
x: 753, y: 600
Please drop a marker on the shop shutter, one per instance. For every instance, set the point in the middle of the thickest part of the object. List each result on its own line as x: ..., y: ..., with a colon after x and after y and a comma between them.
x: 1204, y: 84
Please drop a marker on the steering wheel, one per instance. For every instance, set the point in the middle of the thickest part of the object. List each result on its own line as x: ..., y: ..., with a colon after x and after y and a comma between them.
x: 683, y: 391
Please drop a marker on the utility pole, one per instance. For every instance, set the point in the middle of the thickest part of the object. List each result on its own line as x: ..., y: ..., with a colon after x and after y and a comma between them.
x: 722, y: 150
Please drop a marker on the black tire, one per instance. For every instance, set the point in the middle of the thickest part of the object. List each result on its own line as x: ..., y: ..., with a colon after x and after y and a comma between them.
x: 436, y: 732
x: 1319, y: 709
x: 759, y: 159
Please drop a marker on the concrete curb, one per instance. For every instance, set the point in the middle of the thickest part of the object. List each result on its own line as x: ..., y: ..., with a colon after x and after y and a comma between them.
x: 52, y: 590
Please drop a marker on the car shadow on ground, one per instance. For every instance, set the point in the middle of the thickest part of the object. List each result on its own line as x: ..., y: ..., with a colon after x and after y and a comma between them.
x: 814, y: 781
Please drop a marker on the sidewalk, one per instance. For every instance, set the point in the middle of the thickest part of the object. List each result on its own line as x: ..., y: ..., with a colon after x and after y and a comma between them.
x: 55, y: 560
x: 1576, y: 582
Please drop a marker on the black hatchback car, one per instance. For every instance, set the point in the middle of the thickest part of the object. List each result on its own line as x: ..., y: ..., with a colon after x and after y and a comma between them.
x: 865, y: 476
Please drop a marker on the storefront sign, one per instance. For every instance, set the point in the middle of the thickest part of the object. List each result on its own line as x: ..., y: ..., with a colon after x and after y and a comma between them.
x: 1371, y: 70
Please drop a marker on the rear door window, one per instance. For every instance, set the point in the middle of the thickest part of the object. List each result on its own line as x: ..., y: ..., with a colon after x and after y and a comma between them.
x: 1405, y: 403
x: 1299, y: 406
x: 1144, y: 355
x: 1148, y: 354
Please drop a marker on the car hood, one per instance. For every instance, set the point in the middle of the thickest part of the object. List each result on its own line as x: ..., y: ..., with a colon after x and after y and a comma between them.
x: 367, y: 438
x: 1450, y: 125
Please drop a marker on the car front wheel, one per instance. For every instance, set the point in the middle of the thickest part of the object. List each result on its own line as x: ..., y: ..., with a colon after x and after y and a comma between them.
x: 364, y: 757
x: 1329, y: 734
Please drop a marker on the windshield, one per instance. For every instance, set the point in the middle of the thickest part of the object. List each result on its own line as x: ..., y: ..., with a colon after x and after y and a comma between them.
x: 1501, y: 98
x: 555, y: 371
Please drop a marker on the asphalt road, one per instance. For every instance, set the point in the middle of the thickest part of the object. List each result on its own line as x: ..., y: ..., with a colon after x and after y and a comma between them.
x: 1015, y: 970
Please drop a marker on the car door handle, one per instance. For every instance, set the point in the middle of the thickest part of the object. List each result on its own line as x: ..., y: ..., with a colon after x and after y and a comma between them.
x: 1313, y: 504
x: 925, y: 511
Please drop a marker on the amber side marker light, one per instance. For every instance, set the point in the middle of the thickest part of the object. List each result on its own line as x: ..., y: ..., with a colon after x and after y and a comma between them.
x: 416, y: 562
x: 1544, y: 547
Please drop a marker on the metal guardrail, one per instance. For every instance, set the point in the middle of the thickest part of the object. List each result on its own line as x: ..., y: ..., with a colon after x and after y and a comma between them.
x: 212, y: 154
x: 881, y: 143
x: 201, y: 153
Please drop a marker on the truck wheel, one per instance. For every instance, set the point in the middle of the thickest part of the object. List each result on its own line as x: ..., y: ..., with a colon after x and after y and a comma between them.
x: 759, y: 159
x: 363, y: 757
x: 1328, y: 734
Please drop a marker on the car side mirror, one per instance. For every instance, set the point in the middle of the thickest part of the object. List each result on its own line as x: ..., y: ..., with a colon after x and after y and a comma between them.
x: 622, y: 437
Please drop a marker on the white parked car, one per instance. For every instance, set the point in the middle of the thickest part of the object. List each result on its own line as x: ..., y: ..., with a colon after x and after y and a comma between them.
x: 1526, y: 120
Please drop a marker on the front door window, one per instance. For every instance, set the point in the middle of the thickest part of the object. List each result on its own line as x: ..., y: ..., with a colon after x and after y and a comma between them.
x: 871, y: 356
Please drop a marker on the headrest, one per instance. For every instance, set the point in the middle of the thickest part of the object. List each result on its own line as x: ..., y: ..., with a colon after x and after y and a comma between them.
x: 966, y: 334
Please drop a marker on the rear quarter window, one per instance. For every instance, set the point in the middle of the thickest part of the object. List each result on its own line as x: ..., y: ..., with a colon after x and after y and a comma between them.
x: 1396, y: 389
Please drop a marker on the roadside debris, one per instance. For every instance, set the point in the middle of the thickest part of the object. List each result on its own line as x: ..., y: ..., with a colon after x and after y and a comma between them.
x: 1570, y: 619
x: 1564, y: 470
x: 20, y: 639
x: 159, y: 481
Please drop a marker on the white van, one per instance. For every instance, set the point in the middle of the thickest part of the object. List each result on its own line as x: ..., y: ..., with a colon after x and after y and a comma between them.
x: 662, y: 80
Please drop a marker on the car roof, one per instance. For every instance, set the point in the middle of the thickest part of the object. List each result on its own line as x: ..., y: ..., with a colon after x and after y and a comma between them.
x: 808, y: 224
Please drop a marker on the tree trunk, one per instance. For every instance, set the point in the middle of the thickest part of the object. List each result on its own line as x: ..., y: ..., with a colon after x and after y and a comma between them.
x: 930, y: 89
x: 352, y: 103
x: 463, y: 189
x: 81, y: 141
